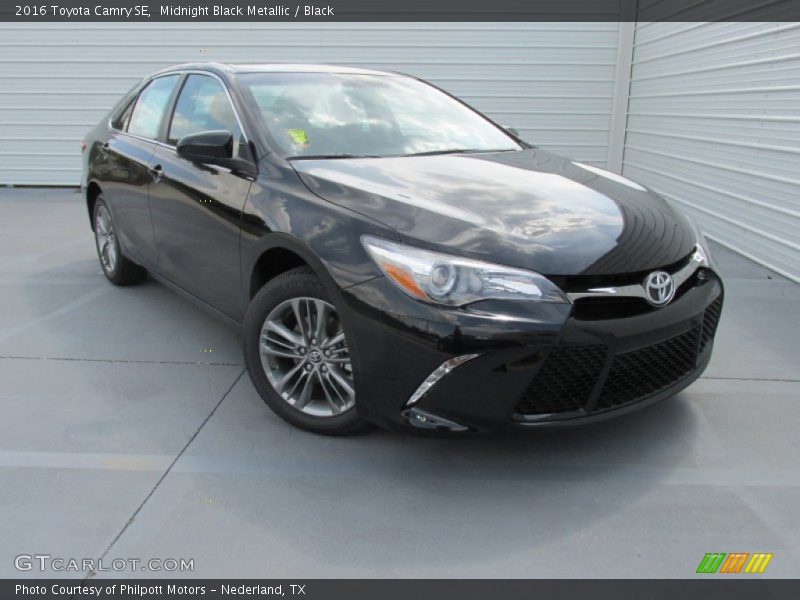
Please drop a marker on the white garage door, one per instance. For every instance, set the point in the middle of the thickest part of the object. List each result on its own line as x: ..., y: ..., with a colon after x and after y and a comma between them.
x: 714, y: 123
x: 554, y: 82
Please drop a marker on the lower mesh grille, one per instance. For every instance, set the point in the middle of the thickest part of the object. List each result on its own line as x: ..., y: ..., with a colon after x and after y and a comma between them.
x: 565, y: 380
x: 570, y: 373
x: 641, y: 373
x: 710, y: 320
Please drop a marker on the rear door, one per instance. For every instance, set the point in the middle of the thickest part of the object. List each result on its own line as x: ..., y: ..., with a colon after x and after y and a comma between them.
x: 197, y: 208
x: 123, y: 165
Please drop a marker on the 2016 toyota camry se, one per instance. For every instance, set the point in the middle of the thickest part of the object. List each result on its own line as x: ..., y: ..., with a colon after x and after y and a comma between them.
x: 394, y: 256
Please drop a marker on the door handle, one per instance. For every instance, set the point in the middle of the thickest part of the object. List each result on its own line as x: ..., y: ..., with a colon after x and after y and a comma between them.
x: 157, y: 172
x: 102, y: 155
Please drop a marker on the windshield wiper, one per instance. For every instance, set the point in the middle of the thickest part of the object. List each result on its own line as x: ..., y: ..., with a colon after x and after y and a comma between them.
x: 428, y: 153
x: 457, y: 151
x: 329, y: 156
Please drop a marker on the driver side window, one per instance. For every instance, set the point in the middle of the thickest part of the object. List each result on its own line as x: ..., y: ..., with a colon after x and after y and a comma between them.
x: 203, y: 105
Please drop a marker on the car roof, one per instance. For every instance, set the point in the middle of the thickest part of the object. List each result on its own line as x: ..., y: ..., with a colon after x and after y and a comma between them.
x: 273, y: 68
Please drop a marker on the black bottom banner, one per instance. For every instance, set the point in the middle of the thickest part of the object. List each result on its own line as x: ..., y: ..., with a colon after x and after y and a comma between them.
x: 416, y: 589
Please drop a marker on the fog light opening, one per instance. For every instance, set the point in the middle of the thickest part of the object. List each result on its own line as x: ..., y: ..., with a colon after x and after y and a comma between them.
x: 424, y: 420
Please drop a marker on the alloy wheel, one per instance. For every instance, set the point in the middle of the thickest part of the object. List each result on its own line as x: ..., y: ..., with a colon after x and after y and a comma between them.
x: 106, y: 239
x: 305, y: 357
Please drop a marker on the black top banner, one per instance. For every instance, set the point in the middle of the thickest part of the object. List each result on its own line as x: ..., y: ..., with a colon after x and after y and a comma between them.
x: 399, y: 10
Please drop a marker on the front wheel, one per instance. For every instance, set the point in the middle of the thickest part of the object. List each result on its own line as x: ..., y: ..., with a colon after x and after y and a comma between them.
x: 297, y: 355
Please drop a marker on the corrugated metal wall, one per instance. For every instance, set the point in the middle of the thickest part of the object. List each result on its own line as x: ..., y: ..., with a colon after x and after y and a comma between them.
x: 713, y: 115
x: 554, y: 82
x: 714, y: 124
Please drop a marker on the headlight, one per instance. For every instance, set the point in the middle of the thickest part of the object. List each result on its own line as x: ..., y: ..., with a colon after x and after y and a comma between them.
x: 701, y: 254
x: 454, y: 281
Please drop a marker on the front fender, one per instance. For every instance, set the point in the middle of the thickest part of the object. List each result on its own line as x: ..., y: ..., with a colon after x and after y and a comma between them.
x: 281, y: 212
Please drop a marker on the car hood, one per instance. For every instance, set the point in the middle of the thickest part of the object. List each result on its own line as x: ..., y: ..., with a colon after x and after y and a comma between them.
x: 527, y: 208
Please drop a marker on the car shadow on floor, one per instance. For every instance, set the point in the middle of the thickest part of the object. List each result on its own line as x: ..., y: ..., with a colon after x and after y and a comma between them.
x: 408, y: 500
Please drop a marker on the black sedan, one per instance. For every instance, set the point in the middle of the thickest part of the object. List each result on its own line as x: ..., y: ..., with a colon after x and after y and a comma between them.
x: 394, y: 256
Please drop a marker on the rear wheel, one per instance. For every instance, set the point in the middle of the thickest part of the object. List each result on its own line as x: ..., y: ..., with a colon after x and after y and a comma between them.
x: 297, y: 355
x: 117, y: 267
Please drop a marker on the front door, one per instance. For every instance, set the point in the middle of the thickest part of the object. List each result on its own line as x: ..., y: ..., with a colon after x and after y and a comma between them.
x: 197, y: 208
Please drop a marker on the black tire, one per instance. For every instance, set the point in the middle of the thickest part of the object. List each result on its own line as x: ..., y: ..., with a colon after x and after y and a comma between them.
x: 297, y: 283
x: 123, y: 271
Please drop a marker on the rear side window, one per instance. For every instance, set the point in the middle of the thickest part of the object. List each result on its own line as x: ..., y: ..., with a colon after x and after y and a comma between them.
x: 202, y: 106
x: 150, y: 107
x: 122, y: 120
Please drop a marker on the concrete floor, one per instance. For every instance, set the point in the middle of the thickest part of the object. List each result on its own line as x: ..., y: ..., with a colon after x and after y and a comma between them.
x: 128, y: 430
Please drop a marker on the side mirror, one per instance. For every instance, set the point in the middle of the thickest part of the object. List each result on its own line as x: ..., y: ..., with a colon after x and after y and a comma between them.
x: 215, y: 148
x: 206, y: 147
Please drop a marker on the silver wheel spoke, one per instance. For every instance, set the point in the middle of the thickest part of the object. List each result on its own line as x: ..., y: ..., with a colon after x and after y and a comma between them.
x: 281, y: 383
x: 112, y: 254
x: 302, y: 320
x: 266, y: 340
x: 331, y: 394
x: 338, y: 361
x: 286, y: 333
x: 321, y: 312
x: 104, y: 236
x: 337, y: 338
x: 265, y: 349
x: 337, y: 375
x: 324, y: 387
x: 304, y: 376
x: 102, y: 220
x: 305, y: 395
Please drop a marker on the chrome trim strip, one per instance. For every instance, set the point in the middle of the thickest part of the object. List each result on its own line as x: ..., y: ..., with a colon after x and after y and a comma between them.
x: 637, y: 290
x: 180, y: 73
x: 437, y: 375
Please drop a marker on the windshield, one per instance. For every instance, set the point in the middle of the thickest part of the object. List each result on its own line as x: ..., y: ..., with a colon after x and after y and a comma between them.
x: 339, y: 115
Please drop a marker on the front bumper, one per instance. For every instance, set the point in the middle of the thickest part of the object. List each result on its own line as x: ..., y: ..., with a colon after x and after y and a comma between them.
x: 538, y: 363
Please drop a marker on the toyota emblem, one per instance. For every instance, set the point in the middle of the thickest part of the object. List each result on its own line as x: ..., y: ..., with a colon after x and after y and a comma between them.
x: 659, y: 288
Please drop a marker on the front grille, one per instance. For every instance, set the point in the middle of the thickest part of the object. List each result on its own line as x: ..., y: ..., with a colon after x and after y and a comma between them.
x: 569, y: 376
x: 566, y: 380
x: 605, y: 308
x: 710, y: 320
x: 580, y: 283
x: 644, y: 372
x: 590, y: 308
